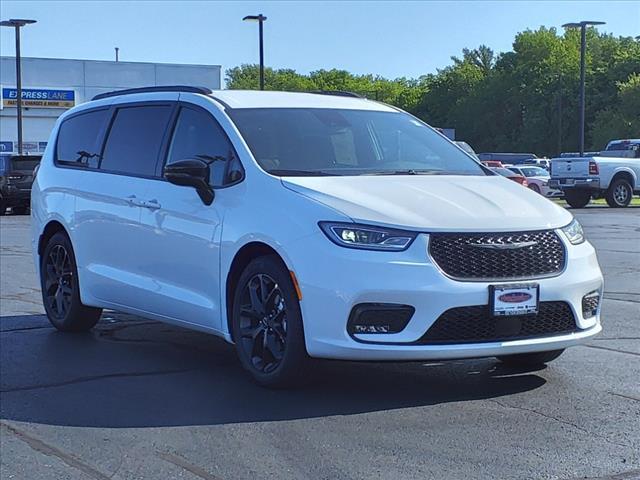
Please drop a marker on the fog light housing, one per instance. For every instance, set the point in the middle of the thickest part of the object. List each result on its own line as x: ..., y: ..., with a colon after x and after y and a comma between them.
x: 590, y: 303
x: 379, y: 318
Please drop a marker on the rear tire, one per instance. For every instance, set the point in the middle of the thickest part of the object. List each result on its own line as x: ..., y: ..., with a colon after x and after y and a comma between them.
x: 530, y: 359
x: 60, y: 288
x: 3, y: 207
x: 619, y: 193
x: 577, y: 198
x: 267, y: 324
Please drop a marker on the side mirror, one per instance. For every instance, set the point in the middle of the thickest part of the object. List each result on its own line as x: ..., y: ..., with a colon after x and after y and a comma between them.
x: 191, y: 172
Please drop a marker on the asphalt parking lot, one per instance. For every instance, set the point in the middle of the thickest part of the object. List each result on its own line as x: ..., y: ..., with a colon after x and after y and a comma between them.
x: 136, y: 399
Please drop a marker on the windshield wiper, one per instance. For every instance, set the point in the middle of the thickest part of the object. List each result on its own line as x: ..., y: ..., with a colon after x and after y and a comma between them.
x: 410, y: 171
x: 302, y: 173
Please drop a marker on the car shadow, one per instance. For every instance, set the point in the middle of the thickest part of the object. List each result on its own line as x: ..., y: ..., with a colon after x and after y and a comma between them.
x: 130, y: 372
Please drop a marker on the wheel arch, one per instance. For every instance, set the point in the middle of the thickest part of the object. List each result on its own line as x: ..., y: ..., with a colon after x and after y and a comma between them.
x: 627, y: 175
x: 242, y: 258
x: 50, y: 229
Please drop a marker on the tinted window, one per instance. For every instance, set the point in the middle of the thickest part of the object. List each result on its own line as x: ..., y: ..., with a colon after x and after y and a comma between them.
x: 197, y: 133
x: 308, y: 141
x: 135, y: 139
x: 505, y: 172
x: 79, y: 138
x: 25, y: 163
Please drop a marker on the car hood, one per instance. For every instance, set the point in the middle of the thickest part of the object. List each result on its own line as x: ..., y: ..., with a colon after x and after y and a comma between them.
x: 434, y: 203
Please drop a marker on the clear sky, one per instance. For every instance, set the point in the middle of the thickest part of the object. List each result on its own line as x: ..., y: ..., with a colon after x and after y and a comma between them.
x: 392, y: 39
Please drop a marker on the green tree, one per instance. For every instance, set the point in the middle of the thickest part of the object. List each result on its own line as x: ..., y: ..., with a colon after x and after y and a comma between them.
x: 524, y: 100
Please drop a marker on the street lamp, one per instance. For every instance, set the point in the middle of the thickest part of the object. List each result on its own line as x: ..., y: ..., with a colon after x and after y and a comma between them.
x: 583, y: 48
x: 260, y: 19
x: 17, y: 23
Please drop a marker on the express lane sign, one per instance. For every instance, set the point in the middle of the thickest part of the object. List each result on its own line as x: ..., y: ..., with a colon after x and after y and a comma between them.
x: 39, y: 98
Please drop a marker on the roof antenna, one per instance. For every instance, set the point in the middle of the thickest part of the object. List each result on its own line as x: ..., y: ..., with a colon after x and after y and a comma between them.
x: 117, y: 56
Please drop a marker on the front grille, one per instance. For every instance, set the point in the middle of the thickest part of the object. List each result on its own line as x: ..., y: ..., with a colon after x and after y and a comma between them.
x: 498, y: 256
x: 476, y: 325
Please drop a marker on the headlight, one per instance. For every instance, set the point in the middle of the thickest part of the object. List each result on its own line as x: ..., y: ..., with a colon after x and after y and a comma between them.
x: 352, y: 235
x: 574, y: 232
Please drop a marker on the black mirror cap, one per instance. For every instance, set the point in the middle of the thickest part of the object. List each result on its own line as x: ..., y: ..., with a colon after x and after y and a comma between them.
x: 191, y: 172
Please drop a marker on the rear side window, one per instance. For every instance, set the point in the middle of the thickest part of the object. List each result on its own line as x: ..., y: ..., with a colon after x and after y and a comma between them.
x: 198, y: 134
x: 79, y: 139
x: 135, y: 139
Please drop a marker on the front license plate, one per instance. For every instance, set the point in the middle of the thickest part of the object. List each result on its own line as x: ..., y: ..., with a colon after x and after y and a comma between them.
x: 507, y: 300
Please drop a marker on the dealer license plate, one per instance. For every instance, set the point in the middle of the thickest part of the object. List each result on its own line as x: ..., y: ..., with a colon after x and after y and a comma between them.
x: 520, y: 299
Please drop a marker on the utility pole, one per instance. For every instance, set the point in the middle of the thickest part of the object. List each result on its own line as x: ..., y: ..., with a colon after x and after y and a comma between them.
x: 18, y: 23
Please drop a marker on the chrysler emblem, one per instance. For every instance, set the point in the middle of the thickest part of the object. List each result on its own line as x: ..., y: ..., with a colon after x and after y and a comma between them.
x: 505, y: 246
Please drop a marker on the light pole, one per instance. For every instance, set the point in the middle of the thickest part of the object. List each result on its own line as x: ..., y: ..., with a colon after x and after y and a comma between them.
x: 260, y: 19
x: 583, y: 50
x: 17, y: 23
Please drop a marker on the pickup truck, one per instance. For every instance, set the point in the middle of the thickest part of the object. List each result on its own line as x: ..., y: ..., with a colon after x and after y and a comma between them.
x: 614, y: 175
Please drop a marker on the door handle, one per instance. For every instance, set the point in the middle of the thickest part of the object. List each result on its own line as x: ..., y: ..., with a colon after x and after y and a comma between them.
x: 151, y: 204
x: 133, y: 201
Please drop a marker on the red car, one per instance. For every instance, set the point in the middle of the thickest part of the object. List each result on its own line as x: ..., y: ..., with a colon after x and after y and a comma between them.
x: 505, y: 172
x: 492, y: 163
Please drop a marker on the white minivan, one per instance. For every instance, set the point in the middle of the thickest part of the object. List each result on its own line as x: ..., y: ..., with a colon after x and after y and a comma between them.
x: 300, y: 225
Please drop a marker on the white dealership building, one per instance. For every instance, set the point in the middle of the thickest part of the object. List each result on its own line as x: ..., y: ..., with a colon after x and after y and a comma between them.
x: 52, y: 85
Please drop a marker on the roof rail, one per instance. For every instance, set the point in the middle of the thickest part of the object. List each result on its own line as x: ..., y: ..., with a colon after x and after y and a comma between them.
x: 338, y: 93
x: 166, y: 88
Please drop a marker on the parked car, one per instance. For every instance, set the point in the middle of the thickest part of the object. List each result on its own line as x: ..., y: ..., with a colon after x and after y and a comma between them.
x: 507, y: 158
x: 16, y: 177
x: 538, y: 162
x: 300, y: 225
x: 492, y: 164
x: 467, y: 148
x: 613, y: 175
x: 537, y: 179
x: 511, y: 175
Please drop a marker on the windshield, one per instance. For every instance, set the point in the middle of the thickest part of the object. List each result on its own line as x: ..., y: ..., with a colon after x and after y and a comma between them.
x: 313, y: 141
x: 534, y: 172
x: 467, y: 148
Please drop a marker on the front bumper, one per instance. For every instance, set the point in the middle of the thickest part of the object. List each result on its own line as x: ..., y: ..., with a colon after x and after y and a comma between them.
x: 564, y: 183
x: 335, y: 279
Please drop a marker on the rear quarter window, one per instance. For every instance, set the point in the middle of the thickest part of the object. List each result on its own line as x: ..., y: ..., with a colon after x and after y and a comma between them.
x: 79, y: 138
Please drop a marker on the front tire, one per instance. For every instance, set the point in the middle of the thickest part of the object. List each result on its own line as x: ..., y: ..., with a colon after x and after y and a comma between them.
x: 267, y: 324
x: 534, y: 187
x: 60, y: 288
x: 530, y: 359
x: 577, y: 198
x: 619, y: 193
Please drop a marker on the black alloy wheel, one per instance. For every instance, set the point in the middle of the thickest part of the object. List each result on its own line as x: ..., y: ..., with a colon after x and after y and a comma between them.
x: 58, y: 281
x: 263, y: 322
x: 60, y: 287
x: 267, y: 325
